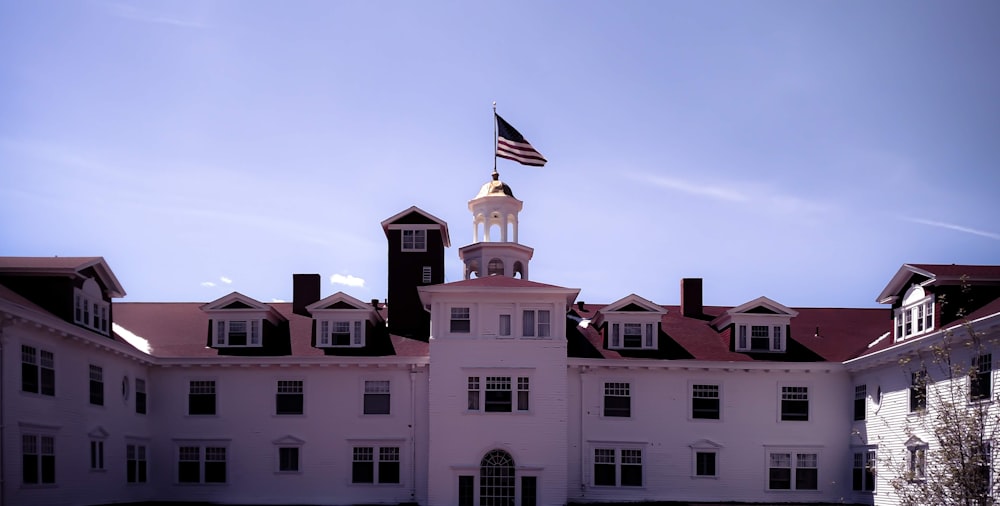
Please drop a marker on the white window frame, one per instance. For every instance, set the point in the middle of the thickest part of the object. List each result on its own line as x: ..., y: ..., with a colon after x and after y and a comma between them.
x: 518, y: 385
x: 692, y: 396
x: 43, y: 446
x: 705, y: 447
x: 532, y: 326
x: 97, y: 454
x: 455, y: 314
x: 223, y: 328
x: 776, y: 335
x: 42, y: 360
x: 90, y: 310
x: 203, y: 459
x: 914, y: 317
x: 413, y: 239
x: 376, y: 386
x: 616, y: 334
x: 357, y: 333
x: 426, y: 276
x: 379, y: 454
x: 619, y: 454
x: 867, y: 457
x: 137, y: 452
x: 792, y: 392
x: 794, y: 455
x: 279, y: 461
x: 616, y: 388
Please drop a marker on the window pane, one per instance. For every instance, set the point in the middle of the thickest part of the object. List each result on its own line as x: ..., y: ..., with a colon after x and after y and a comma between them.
x: 528, y: 323
x: 705, y: 464
x: 466, y: 490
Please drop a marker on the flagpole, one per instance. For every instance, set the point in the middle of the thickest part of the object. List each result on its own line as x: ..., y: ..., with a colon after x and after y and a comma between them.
x: 496, y: 175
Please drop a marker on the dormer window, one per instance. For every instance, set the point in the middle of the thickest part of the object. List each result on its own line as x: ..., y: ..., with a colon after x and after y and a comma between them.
x: 337, y: 333
x: 758, y: 326
x: 631, y: 323
x: 632, y: 336
x: 237, y: 333
x: 343, y: 321
x: 762, y: 338
x: 89, y: 308
x: 915, y: 315
x: 414, y: 240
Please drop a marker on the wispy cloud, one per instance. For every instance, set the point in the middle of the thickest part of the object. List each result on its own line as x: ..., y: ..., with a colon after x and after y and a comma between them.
x: 207, y: 284
x: 348, y: 280
x: 760, y: 195
x: 225, y: 280
x: 277, y: 300
x: 952, y: 226
x: 136, y: 14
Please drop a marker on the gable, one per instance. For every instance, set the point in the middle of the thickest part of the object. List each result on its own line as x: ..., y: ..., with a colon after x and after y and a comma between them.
x: 237, y: 305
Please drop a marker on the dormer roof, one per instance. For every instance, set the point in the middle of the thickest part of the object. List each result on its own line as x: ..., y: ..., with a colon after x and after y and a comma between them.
x: 759, y: 306
x: 416, y: 216
x: 927, y: 274
x: 630, y: 304
x: 64, y: 266
x: 340, y: 301
x: 237, y: 302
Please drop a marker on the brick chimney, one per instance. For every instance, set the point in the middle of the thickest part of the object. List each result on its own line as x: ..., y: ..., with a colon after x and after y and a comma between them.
x: 691, y: 305
x: 305, y: 291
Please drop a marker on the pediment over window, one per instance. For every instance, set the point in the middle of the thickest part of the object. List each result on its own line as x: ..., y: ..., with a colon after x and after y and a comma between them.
x: 235, y: 300
x: 705, y: 444
x: 341, y: 321
x: 761, y: 325
x: 631, y: 322
x: 98, y: 433
x: 238, y: 321
x: 288, y: 440
x: 914, y: 441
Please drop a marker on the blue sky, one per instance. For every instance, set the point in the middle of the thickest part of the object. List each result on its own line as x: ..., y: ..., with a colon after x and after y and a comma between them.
x: 798, y: 150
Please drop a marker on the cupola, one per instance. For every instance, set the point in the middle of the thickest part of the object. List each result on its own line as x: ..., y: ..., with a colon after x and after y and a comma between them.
x: 494, y: 250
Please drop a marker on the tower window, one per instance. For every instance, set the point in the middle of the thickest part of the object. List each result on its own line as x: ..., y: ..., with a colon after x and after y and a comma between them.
x: 495, y: 267
x: 414, y: 240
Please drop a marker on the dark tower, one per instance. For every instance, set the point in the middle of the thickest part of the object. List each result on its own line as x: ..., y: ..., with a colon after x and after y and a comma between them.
x: 417, y: 240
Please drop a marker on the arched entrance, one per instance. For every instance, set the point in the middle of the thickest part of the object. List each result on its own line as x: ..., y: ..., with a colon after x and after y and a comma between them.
x: 496, y: 479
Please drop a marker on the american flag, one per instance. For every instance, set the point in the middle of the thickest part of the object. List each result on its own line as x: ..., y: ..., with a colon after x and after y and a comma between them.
x: 513, y: 146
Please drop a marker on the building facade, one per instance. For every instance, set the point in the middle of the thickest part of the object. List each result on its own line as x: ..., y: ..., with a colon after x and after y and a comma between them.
x: 496, y: 389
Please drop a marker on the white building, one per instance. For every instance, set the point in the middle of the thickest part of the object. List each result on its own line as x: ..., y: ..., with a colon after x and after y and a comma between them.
x: 493, y: 390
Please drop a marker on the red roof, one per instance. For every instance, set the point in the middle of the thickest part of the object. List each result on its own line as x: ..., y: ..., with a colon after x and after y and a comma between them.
x: 499, y: 282
x: 980, y: 272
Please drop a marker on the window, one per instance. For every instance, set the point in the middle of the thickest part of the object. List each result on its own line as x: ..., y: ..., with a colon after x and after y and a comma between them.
x: 135, y: 463
x: 201, y: 398
x: 705, y: 402
x: 496, y: 479
x: 915, y: 315
x: 96, y: 385
x: 89, y: 309
x: 414, y: 240
x: 795, y: 403
x: 460, y: 322
x: 425, y: 275
x: 980, y: 378
x: 761, y: 338
x: 288, y: 459
x: 96, y: 455
x: 704, y: 464
x: 917, y: 462
x: 863, y: 472
x: 366, y: 469
x: 289, y: 398
x: 504, y: 327
x: 38, y: 459
x: 341, y: 333
x: 618, y: 467
x: 635, y: 336
x: 918, y: 391
x: 376, y: 400
x: 38, y: 374
x: 473, y: 393
x: 617, y: 400
x: 535, y: 323
x: 140, y: 396
x: 860, y: 401
x: 237, y: 333
x: 197, y: 464
x: 498, y: 395
x: 792, y: 471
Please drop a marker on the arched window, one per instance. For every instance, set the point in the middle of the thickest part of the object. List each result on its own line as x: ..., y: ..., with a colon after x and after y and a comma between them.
x: 496, y: 479
x: 518, y: 270
x: 495, y: 267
